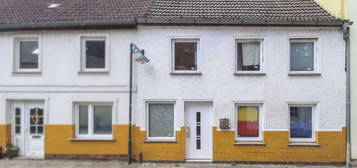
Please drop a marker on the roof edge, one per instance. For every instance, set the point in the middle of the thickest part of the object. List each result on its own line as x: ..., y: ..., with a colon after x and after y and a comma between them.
x: 132, y: 23
x: 122, y: 23
x: 177, y: 21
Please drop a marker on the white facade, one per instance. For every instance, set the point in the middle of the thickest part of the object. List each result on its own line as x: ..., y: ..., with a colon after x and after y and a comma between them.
x: 60, y: 84
x: 275, y: 88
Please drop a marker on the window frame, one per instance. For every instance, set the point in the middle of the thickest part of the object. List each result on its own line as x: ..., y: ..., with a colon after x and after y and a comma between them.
x: 317, y: 56
x: 313, y: 123
x: 16, y: 50
x: 261, y: 55
x: 83, y: 56
x: 147, y: 104
x: 260, y: 122
x: 173, y: 56
x: 91, y: 120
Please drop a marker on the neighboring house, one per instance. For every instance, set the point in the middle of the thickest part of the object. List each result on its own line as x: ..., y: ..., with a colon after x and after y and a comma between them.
x: 352, y: 15
x: 251, y: 80
x: 346, y: 9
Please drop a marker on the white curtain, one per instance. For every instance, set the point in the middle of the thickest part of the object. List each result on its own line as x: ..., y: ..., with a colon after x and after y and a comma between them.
x: 251, y: 53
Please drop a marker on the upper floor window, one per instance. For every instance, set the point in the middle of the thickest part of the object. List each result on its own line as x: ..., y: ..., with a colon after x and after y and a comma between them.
x: 94, y: 119
x: 249, y: 122
x: 27, y: 54
x: 302, y: 123
x: 94, y: 54
x: 303, y: 55
x: 184, y: 53
x: 249, y: 55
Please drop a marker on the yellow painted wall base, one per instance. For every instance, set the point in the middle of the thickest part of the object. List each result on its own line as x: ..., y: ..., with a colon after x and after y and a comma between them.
x: 57, y: 142
x: 154, y: 151
x: 332, y: 148
x: 5, y: 136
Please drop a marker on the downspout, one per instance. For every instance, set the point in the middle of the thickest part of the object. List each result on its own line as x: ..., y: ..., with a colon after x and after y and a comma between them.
x: 346, y: 36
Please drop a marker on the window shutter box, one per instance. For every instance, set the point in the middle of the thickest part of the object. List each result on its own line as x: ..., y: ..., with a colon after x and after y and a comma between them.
x: 224, y: 123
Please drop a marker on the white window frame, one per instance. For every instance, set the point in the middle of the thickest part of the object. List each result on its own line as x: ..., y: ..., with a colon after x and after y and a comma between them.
x: 261, y: 58
x: 317, y: 56
x: 260, y: 120
x: 17, y: 41
x: 188, y: 40
x: 147, y: 103
x: 313, y: 122
x: 91, y: 120
x: 83, y: 40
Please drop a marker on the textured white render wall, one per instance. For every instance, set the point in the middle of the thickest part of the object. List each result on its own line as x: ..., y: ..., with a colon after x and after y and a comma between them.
x: 60, y: 82
x: 352, y: 15
x: 217, y: 63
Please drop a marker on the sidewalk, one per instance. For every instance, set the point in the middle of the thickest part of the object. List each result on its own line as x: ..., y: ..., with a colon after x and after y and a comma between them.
x: 120, y: 164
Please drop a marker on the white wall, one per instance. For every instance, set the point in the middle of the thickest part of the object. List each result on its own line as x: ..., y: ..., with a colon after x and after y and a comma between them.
x: 217, y: 82
x: 60, y: 84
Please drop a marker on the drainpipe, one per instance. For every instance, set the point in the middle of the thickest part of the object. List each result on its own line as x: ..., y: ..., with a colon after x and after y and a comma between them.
x: 346, y: 36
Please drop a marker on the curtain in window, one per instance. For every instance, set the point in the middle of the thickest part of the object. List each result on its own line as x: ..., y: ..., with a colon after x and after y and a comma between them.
x: 161, y: 120
x: 301, y: 122
x: 302, y: 56
x: 102, y: 119
x: 249, y: 56
x: 248, y: 121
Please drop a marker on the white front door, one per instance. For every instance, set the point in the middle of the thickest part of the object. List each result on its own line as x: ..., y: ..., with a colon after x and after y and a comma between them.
x: 28, y: 127
x: 198, y: 121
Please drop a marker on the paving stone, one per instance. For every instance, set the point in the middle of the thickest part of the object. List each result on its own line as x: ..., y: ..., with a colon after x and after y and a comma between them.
x: 5, y: 163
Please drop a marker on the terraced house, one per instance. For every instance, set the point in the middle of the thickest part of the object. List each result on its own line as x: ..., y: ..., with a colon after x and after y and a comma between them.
x: 224, y: 80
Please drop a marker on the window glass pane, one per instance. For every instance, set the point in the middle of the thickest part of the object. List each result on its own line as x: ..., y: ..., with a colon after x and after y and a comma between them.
x: 95, y: 54
x: 28, y: 55
x: 17, y: 129
x: 83, y: 119
x: 302, y: 56
x: 248, y: 56
x: 185, y: 56
x: 248, y: 121
x: 161, y: 120
x: 301, y: 122
x: 102, y: 119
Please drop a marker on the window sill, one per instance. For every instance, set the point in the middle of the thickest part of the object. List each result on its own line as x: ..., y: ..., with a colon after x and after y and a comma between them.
x: 92, y: 139
x: 27, y: 73
x: 304, y: 74
x: 254, y: 143
x: 304, y: 144
x: 93, y: 72
x: 160, y: 141
x: 249, y: 73
x: 185, y: 73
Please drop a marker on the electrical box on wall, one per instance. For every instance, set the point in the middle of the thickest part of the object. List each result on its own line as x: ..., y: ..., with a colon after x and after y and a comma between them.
x: 224, y: 123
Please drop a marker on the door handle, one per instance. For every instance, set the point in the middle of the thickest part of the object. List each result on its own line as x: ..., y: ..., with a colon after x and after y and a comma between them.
x: 187, y: 132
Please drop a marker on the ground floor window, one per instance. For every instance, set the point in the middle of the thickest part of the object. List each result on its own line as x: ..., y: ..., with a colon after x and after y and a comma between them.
x: 160, y: 120
x: 248, y: 126
x: 94, y: 119
x: 301, y: 123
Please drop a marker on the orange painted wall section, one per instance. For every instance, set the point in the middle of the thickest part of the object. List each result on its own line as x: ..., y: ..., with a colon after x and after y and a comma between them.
x: 159, y: 151
x: 332, y: 148
x: 57, y: 141
x: 5, y: 136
